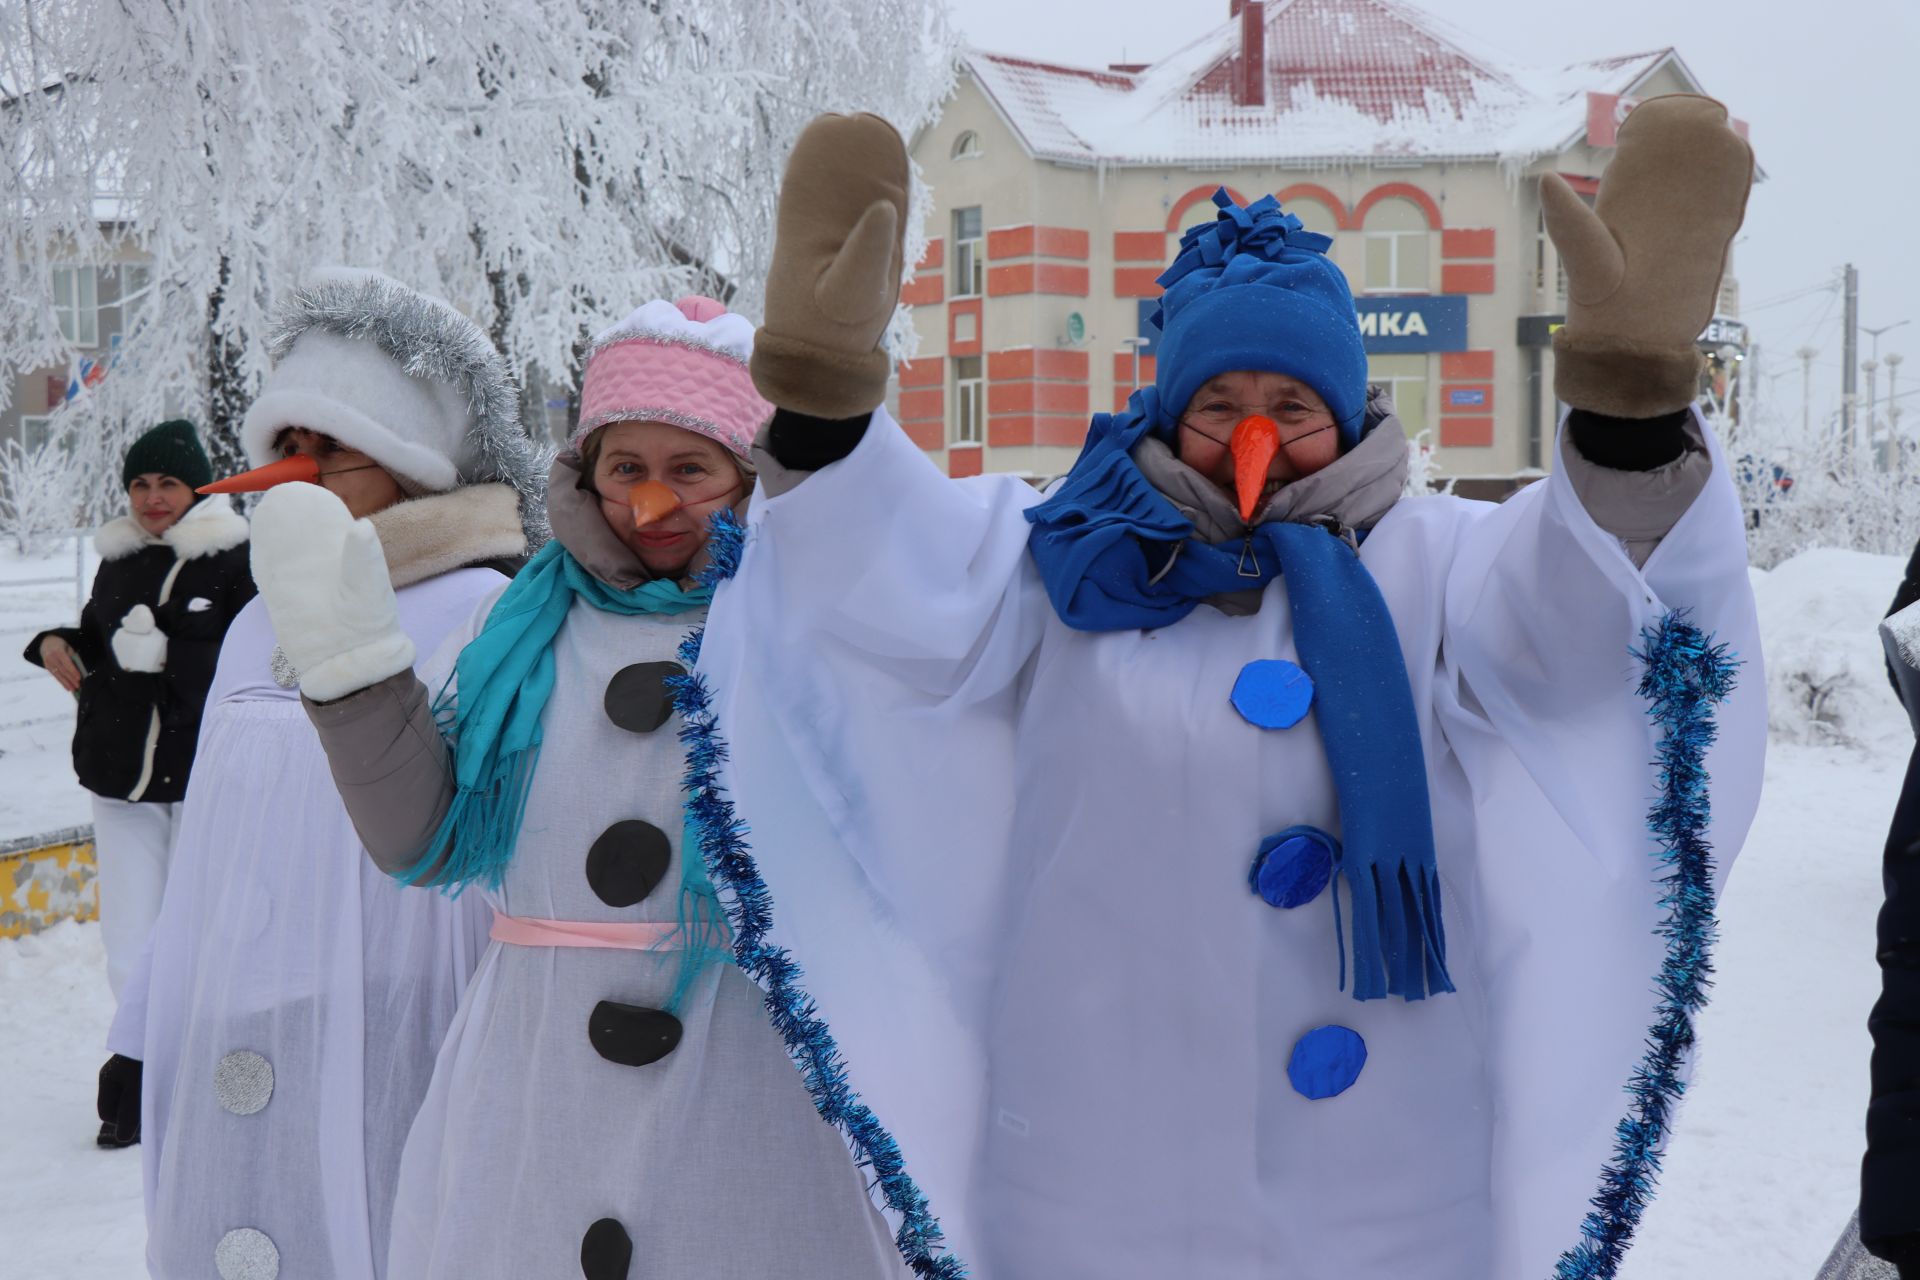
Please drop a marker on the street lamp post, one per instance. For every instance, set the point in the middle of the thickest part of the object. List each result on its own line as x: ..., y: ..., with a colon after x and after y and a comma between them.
x: 1135, y: 344
x: 1872, y: 363
x: 1896, y: 453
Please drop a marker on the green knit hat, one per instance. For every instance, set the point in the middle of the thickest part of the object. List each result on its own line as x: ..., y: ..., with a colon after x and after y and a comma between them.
x: 172, y: 449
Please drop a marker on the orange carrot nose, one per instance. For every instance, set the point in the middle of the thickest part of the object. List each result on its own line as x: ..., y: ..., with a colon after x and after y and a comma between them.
x: 1253, y: 444
x: 651, y: 501
x: 301, y: 467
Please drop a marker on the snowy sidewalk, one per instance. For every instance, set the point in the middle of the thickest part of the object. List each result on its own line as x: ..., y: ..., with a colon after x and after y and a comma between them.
x: 68, y: 1210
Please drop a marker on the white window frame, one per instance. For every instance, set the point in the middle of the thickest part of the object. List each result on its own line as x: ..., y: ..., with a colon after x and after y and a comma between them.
x: 80, y: 317
x: 966, y: 146
x: 32, y: 424
x: 1394, y: 240
x: 969, y: 256
x: 1427, y: 388
x: 135, y: 280
x: 969, y: 404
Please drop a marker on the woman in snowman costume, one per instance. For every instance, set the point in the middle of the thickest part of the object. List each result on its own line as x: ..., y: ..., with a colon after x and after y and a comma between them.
x: 610, y: 1101
x: 292, y: 998
x: 1224, y: 866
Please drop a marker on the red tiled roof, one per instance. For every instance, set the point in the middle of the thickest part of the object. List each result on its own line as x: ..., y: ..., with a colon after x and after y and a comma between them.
x: 1345, y: 79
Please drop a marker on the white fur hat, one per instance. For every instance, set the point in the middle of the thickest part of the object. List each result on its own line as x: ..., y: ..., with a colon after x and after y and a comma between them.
x: 400, y: 376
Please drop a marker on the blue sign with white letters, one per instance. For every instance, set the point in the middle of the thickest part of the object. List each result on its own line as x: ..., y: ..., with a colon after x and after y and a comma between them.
x: 1466, y: 398
x: 1147, y: 328
x: 1401, y: 323
x: 1410, y: 324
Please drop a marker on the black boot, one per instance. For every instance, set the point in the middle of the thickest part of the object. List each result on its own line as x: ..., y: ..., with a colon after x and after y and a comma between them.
x: 119, y: 1102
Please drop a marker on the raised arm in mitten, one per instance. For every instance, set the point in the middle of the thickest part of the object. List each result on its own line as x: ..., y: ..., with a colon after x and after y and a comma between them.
x: 1643, y: 273
x: 831, y: 291
x: 327, y: 591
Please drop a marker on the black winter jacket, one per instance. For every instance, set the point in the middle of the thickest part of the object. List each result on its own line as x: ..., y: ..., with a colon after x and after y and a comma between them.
x: 135, y: 736
x: 1890, y: 1173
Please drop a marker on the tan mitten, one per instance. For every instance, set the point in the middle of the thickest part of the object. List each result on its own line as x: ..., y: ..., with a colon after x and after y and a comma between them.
x: 1644, y: 263
x: 836, y: 268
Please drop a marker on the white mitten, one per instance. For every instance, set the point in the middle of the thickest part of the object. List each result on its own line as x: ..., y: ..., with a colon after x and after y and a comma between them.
x: 325, y: 583
x: 139, y: 644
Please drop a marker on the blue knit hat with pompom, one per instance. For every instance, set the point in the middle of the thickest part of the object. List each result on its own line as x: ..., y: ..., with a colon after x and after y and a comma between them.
x: 1255, y: 290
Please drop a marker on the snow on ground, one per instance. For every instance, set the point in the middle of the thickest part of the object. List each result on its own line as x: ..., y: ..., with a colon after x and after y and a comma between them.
x: 68, y: 1209
x: 1759, y: 1181
x: 37, y: 790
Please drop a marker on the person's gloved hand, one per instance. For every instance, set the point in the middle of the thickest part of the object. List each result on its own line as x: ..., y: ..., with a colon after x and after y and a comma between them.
x: 119, y: 1102
x: 1644, y: 263
x: 835, y: 275
x: 327, y: 590
x: 138, y: 643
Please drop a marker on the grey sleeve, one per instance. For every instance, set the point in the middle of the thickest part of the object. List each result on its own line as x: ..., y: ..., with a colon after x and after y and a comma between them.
x: 391, y: 765
x: 1638, y: 507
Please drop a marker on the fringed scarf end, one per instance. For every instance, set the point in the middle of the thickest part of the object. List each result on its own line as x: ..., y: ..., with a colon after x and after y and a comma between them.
x: 1399, y: 941
x: 476, y: 838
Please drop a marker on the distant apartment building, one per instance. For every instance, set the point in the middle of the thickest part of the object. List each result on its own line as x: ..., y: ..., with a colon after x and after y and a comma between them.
x: 96, y: 307
x: 1060, y: 193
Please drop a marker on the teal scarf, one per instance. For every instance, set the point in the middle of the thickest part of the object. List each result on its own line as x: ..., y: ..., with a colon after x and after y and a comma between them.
x: 490, y: 710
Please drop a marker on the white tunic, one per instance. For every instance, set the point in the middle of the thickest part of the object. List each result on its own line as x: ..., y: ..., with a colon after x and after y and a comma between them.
x: 1012, y: 859
x: 711, y: 1159
x: 293, y: 997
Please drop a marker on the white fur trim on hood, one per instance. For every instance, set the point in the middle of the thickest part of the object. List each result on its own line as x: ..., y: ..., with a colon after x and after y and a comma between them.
x: 206, y: 528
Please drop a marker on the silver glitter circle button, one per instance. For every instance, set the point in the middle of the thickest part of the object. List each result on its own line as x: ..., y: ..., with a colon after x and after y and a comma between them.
x: 243, y: 1082
x: 246, y: 1254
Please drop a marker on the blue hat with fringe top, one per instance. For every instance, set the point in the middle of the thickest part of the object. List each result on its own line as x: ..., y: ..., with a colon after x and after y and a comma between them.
x: 1253, y: 289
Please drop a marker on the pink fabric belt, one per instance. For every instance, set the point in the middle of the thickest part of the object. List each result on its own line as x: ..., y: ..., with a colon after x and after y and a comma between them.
x: 526, y: 931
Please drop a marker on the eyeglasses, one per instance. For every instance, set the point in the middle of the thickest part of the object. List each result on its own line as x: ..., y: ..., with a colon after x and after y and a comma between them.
x: 1217, y: 418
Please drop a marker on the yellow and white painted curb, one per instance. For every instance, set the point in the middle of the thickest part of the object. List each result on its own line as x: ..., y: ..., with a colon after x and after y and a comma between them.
x: 46, y: 879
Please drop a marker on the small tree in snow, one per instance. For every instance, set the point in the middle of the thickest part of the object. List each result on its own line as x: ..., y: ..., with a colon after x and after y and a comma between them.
x: 542, y: 164
x: 36, y: 494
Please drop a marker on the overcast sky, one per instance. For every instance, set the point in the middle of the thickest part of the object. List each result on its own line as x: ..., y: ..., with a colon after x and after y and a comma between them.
x: 1829, y: 89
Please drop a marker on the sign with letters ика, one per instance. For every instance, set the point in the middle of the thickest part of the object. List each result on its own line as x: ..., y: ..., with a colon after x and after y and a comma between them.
x: 1412, y: 323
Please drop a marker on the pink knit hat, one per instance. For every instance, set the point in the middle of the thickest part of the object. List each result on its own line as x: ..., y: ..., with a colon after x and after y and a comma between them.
x: 683, y: 363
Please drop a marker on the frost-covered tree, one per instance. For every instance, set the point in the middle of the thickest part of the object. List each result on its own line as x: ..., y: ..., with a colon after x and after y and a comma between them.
x: 543, y: 164
x: 36, y: 496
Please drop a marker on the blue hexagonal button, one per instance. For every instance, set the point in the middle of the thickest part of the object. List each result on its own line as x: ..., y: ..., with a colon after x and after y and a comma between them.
x: 1326, y: 1061
x: 1272, y: 693
x: 1293, y: 868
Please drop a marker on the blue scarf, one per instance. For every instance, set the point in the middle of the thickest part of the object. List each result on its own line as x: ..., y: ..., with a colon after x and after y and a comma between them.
x: 1103, y: 543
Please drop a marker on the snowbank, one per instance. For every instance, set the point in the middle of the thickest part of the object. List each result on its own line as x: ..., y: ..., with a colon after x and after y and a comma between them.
x: 38, y: 792
x: 1826, y: 676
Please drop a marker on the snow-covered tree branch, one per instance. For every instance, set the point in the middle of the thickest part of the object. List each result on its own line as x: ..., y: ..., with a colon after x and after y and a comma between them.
x: 543, y: 164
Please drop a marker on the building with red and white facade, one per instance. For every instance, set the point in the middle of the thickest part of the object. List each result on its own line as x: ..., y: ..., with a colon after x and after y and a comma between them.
x: 1060, y: 193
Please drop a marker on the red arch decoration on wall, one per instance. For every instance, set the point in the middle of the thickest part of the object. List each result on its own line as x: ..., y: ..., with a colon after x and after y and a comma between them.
x: 1342, y: 218
x: 1403, y: 191
x: 1193, y: 198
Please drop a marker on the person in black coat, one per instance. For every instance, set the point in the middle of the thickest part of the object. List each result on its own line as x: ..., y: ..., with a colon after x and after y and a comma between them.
x: 173, y: 574
x: 1890, y: 1173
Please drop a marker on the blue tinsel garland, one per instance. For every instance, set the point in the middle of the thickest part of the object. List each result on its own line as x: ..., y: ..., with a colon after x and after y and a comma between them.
x: 729, y: 861
x: 1687, y: 675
